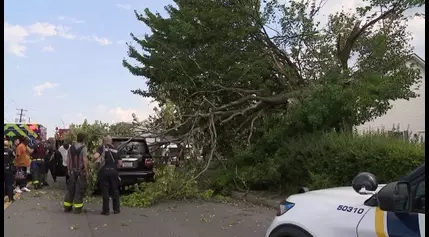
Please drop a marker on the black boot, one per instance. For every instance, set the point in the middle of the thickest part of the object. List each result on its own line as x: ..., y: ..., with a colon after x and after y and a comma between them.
x: 68, y: 209
x: 77, y: 210
x: 37, y: 186
x: 105, y: 213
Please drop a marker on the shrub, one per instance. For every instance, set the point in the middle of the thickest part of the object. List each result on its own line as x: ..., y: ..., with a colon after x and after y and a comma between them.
x: 320, y: 161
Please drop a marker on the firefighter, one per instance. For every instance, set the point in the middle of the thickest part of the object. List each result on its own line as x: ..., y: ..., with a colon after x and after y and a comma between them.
x: 38, y: 163
x: 48, y: 163
x: 109, y: 177
x: 77, y: 168
x: 8, y: 171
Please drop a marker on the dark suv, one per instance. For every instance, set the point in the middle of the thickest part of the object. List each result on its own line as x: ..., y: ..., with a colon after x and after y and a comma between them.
x: 137, y: 163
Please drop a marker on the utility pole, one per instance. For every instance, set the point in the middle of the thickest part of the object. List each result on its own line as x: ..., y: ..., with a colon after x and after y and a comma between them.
x: 21, y: 114
x: 29, y: 120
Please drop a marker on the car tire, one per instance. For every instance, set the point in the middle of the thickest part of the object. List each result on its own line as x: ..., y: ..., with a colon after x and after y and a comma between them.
x: 290, y: 231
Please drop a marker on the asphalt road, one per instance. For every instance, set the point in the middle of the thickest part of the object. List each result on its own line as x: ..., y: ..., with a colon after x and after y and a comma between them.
x: 39, y: 214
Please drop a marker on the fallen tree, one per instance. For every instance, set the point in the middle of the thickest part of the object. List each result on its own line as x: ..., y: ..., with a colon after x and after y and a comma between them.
x: 226, y: 69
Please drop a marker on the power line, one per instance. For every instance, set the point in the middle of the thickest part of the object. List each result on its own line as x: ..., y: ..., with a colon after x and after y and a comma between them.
x: 11, y: 97
x: 10, y: 118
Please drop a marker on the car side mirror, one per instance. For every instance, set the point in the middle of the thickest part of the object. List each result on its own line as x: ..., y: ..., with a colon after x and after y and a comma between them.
x: 395, y: 197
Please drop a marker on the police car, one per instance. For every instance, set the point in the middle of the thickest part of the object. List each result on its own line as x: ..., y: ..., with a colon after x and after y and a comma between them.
x: 366, y: 209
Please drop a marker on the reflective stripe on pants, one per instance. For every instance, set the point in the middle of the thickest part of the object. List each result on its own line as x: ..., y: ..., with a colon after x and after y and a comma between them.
x: 75, y: 191
x: 37, y: 170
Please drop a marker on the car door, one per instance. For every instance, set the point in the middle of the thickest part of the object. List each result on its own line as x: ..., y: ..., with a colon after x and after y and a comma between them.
x: 378, y: 223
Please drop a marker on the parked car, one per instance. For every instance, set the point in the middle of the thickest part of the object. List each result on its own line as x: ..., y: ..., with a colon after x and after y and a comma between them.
x: 366, y: 210
x: 137, y: 162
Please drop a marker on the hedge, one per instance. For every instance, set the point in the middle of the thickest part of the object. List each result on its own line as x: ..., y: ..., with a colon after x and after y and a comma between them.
x: 322, y: 161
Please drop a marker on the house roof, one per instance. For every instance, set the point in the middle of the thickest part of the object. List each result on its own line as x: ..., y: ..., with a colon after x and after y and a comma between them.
x: 418, y: 60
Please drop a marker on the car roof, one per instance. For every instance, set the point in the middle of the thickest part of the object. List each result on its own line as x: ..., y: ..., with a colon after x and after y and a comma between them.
x: 140, y: 139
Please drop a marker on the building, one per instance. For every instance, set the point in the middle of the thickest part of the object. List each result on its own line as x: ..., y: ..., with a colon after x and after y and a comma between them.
x: 408, y: 115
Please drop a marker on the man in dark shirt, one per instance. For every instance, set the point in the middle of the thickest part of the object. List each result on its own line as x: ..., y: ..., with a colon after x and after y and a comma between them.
x: 49, y: 163
x: 8, y: 171
x: 109, y: 177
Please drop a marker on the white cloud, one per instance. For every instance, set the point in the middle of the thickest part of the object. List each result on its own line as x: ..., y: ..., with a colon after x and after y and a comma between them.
x: 48, y: 49
x: 100, y: 40
x: 38, y: 89
x: 124, y: 6
x: 120, y: 114
x: 17, y: 36
x: 64, y: 32
x: 46, y: 29
x: 116, y: 114
x: 43, y: 29
x: 14, y: 37
x: 70, y: 19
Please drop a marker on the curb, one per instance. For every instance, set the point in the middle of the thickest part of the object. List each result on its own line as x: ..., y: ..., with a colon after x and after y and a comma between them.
x: 16, y: 197
x: 255, y: 199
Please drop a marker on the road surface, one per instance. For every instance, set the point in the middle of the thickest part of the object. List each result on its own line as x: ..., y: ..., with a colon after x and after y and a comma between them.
x: 39, y: 214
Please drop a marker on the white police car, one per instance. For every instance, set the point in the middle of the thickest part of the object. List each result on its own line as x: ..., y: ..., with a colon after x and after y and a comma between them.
x: 366, y: 209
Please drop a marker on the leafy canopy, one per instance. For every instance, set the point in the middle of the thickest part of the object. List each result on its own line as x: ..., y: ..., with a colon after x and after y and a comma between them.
x: 225, y: 62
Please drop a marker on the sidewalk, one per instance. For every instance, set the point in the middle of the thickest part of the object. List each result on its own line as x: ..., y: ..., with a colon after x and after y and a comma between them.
x: 267, y: 199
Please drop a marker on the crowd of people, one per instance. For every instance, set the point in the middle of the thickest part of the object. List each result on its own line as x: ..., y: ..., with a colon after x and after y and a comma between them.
x: 24, y: 162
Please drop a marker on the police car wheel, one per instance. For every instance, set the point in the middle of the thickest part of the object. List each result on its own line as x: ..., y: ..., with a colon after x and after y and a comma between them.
x: 289, y: 231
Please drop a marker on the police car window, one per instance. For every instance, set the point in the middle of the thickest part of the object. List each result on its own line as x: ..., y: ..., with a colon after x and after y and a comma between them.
x: 419, y: 198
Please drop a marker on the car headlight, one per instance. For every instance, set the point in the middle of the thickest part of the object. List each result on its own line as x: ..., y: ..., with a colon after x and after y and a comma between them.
x: 284, y: 207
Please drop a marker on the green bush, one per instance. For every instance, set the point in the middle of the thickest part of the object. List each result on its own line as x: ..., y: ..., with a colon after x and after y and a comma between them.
x: 320, y: 161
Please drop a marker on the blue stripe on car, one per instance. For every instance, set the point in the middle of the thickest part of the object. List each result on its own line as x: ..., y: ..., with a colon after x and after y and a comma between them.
x: 403, y: 224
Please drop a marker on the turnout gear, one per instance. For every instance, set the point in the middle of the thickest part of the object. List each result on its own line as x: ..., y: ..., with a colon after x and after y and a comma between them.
x: 109, y: 178
x: 49, y: 165
x: 8, y: 173
x: 109, y: 182
x: 38, y: 165
x: 77, y: 182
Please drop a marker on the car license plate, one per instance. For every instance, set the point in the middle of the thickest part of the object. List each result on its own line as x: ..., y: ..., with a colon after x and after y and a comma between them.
x: 127, y: 164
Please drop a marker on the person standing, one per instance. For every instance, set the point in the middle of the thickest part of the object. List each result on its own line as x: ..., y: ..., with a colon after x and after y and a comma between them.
x: 8, y: 171
x: 22, y: 161
x: 48, y: 159
x: 63, y: 152
x: 109, y: 161
x: 38, y: 163
x: 77, y: 168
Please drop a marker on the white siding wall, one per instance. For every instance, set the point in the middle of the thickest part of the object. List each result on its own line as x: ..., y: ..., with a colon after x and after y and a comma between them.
x: 408, y: 114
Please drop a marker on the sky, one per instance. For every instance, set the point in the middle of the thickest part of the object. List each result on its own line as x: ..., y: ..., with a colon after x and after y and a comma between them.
x: 63, y: 59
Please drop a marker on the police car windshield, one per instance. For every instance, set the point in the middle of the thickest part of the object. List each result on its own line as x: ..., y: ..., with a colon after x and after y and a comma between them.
x: 131, y: 148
